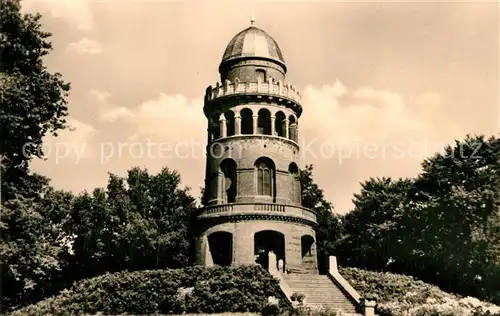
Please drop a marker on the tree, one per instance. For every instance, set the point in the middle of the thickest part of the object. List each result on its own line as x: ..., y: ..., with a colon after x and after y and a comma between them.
x: 462, y: 190
x: 372, y: 229
x: 138, y: 222
x: 329, y: 225
x: 33, y: 100
x: 442, y: 227
x: 32, y: 105
x: 34, y: 248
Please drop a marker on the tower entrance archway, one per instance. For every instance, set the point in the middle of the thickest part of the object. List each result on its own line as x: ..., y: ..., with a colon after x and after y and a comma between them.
x: 307, y: 242
x: 266, y: 241
x: 308, y: 252
x: 221, y: 248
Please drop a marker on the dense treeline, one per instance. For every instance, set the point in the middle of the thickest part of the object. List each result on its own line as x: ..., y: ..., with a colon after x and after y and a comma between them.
x: 443, y: 226
x: 137, y: 223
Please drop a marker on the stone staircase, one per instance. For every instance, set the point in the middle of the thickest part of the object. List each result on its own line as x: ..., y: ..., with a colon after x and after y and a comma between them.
x: 320, y: 291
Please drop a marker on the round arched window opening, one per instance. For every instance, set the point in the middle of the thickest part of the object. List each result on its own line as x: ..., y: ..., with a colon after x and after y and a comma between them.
x: 266, y: 177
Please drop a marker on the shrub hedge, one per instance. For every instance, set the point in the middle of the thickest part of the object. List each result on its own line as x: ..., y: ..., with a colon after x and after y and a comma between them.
x: 191, y: 290
x: 241, y: 289
x: 401, y: 295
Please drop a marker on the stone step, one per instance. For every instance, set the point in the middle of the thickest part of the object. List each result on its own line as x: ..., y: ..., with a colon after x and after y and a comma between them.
x: 316, y: 285
x: 320, y: 291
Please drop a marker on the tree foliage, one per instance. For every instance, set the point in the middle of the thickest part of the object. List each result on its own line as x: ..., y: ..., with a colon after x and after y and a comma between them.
x: 138, y: 222
x: 32, y: 105
x: 34, y: 246
x: 373, y: 222
x: 399, y: 294
x: 443, y: 226
x: 33, y: 100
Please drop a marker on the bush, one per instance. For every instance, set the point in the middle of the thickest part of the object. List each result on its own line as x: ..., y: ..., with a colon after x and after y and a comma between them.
x: 192, y: 290
x: 399, y: 295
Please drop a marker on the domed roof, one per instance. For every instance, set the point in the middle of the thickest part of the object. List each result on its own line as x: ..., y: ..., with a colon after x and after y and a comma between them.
x: 253, y: 42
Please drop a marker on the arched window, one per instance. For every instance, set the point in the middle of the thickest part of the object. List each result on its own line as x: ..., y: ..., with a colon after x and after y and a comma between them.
x: 246, y: 121
x: 295, y: 183
x: 264, y: 122
x: 280, y: 127
x: 265, y: 177
x: 229, y: 115
x: 261, y: 75
x: 228, y: 170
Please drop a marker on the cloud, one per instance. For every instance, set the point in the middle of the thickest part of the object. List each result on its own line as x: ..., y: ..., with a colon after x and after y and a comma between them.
x: 85, y: 46
x: 348, y: 134
x: 172, y: 115
x: 71, y: 145
x: 116, y: 114
x: 78, y: 132
x: 351, y: 135
x: 165, y: 131
x: 162, y: 117
x: 107, y: 112
x: 75, y: 12
x: 101, y: 96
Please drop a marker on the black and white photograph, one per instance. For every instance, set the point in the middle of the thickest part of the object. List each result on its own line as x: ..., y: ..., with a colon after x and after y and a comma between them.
x: 250, y: 157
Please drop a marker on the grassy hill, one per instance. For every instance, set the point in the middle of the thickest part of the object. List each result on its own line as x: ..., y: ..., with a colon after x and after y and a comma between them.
x: 243, y: 290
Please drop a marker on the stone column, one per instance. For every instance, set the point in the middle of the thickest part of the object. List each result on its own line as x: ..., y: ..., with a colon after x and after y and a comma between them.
x: 297, y: 192
x: 287, y: 127
x: 293, y: 257
x: 273, y: 125
x: 273, y: 264
x: 255, y: 121
x: 293, y: 131
x: 332, y: 265
x: 222, y: 126
x: 281, y: 266
x: 369, y: 307
x: 220, y: 188
x: 237, y: 123
x: 208, y: 255
x: 243, y: 244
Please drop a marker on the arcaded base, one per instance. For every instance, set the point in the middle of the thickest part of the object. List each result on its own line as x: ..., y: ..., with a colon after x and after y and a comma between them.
x: 239, y: 243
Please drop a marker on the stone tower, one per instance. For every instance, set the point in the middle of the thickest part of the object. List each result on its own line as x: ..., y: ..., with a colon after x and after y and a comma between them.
x: 252, y: 200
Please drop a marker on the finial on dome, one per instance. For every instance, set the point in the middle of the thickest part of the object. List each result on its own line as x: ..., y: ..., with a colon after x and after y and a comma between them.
x: 252, y: 19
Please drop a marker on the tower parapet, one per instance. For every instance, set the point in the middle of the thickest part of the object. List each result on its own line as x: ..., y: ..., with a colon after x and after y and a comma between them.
x: 272, y: 87
x: 274, y: 90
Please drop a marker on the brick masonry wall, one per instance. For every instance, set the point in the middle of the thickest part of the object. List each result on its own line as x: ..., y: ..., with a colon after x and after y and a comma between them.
x: 245, y: 150
x: 245, y: 70
x: 243, y: 240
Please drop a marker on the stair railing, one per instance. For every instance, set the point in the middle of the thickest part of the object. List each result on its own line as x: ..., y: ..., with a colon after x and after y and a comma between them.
x: 367, y: 306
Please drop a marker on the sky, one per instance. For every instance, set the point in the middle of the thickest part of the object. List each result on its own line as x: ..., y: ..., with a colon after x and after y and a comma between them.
x: 384, y: 84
